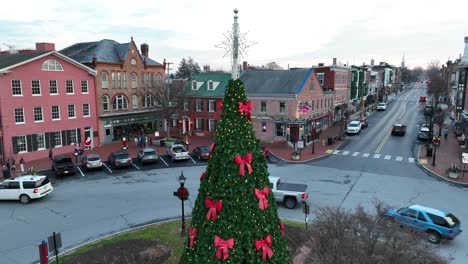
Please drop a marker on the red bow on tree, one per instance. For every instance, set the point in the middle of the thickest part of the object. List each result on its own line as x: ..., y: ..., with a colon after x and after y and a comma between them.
x: 244, y: 161
x: 281, y: 226
x: 246, y: 108
x: 202, y: 176
x: 265, y: 246
x: 214, y: 207
x: 223, y: 246
x: 261, y: 196
x: 192, y: 234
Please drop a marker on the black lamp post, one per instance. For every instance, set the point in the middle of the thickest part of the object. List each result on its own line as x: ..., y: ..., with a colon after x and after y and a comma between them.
x: 182, y: 194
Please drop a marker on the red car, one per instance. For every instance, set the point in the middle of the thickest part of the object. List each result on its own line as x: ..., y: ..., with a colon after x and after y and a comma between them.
x: 422, y: 99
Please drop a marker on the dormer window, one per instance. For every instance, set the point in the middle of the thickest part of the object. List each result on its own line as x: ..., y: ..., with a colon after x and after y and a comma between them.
x: 194, y: 85
x: 210, y: 86
x: 52, y: 65
x: 133, y: 61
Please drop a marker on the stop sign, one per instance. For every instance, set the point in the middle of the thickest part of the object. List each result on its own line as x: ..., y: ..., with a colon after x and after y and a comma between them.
x: 436, y: 141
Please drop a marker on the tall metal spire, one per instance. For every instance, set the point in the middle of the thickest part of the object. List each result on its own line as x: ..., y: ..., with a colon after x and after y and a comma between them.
x: 403, y: 61
x: 464, y: 59
x: 235, y: 47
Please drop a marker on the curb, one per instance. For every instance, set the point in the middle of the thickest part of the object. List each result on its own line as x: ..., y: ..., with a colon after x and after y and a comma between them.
x: 437, y: 176
x: 313, y: 159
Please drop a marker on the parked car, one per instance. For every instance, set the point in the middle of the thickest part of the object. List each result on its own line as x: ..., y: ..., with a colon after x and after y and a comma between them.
x: 177, y: 152
x: 436, y: 223
x: 118, y: 159
x: 364, y: 122
x: 147, y: 155
x: 288, y: 193
x: 354, y: 127
x: 422, y: 99
x: 92, y: 161
x: 63, y: 164
x: 423, y: 133
x: 266, y: 152
x: 381, y: 107
x: 201, y: 152
x: 25, y: 188
x: 398, y: 130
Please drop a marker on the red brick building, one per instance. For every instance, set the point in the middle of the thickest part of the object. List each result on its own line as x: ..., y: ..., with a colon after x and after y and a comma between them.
x: 47, y: 101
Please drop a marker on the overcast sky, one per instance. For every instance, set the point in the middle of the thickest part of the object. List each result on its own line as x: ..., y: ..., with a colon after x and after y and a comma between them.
x: 295, y: 33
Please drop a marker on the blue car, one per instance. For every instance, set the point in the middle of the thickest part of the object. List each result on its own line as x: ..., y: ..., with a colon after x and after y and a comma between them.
x: 436, y: 223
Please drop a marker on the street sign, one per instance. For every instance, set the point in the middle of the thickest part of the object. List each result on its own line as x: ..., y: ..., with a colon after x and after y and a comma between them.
x: 300, y: 144
x: 465, y: 160
x: 55, y: 243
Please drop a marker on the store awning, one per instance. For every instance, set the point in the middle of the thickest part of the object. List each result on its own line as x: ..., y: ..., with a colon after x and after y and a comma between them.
x: 319, y: 117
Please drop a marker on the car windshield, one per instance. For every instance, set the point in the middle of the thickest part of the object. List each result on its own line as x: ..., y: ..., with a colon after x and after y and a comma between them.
x: 205, y: 149
x: 64, y: 160
x: 381, y: 104
x: 151, y: 152
x: 94, y: 158
x: 401, y: 210
x: 123, y: 156
x: 353, y: 125
x: 178, y: 149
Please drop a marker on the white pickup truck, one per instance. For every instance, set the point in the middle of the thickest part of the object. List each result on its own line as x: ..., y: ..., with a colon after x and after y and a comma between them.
x: 177, y: 152
x: 288, y: 193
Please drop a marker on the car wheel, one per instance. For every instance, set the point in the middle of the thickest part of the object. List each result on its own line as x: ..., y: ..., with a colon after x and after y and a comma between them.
x: 290, y: 202
x: 433, y: 237
x: 24, y: 199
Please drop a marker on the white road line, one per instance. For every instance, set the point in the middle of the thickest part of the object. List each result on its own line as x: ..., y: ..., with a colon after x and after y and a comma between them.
x: 387, y: 157
x: 82, y: 174
x: 345, y: 153
x: 365, y: 155
x: 161, y: 158
x: 410, y: 159
x: 355, y: 154
x: 135, y: 166
x: 336, y: 152
x: 107, y: 167
x: 376, y: 156
x: 399, y: 158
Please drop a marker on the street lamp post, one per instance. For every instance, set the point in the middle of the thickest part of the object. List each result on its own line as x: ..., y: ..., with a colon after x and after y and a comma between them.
x: 183, y: 194
x: 436, y: 142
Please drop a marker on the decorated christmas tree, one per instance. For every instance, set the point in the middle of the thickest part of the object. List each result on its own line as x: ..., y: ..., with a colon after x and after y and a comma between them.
x: 235, y: 218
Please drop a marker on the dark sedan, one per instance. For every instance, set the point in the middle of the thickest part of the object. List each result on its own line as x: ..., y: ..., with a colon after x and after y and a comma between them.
x: 398, y: 130
x: 201, y: 152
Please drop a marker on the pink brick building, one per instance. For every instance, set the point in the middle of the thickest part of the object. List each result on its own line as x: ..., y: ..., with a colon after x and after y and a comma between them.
x: 47, y: 101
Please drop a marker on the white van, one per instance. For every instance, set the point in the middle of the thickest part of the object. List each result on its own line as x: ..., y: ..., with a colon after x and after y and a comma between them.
x: 25, y: 188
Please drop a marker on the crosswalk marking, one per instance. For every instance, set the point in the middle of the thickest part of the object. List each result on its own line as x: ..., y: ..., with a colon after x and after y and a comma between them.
x: 387, y: 157
x: 345, y: 153
x: 355, y: 154
x: 399, y: 158
x: 376, y: 156
x: 412, y: 160
x: 336, y: 152
x: 365, y: 155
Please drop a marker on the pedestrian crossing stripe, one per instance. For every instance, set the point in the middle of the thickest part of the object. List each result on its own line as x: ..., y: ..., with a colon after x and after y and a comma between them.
x: 355, y: 154
x: 375, y: 156
x: 366, y: 155
x: 412, y: 160
x: 345, y: 153
x: 387, y: 157
x: 336, y: 152
x: 399, y: 158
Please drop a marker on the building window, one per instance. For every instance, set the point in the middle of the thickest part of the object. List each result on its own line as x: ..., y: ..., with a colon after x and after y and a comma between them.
x: 135, y: 102
x: 38, y: 117
x: 86, y: 112
x: 185, y: 105
x: 133, y: 61
x: 113, y: 79
x: 19, y: 115
x: 53, y: 89
x: 69, y: 85
x: 212, y: 125
x: 40, y: 141
x: 148, y: 101
x: 210, y: 86
x: 198, y: 124
x: 194, y: 85
x: 71, y: 111
x: 263, y: 107
x: 148, y: 84
x: 212, y: 106
x: 55, y: 112
x: 105, y: 103
x: 52, y: 65
x: 321, y: 103
x: 57, y: 138
x: 153, y: 83
x: 142, y: 79
x: 119, y: 80
x: 134, y: 80
x: 124, y: 80
x: 16, y: 87
x: 84, y: 86
x: 198, y: 105
x: 22, y: 145
x: 73, y: 135
x: 279, y: 127
x: 159, y: 79
x: 104, y: 80
x: 320, y: 78
x: 36, y: 87
x: 282, y: 107
x: 264, y: 127
x: 119, y: 103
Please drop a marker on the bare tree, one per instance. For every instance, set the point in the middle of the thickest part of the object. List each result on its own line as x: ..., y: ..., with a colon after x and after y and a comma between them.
x: 273, y: 66
x: 340, y: 236
x: 435, y: 86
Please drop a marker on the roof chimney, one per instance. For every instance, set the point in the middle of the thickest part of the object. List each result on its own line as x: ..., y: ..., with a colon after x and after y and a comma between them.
x: 372, y: 62
x: 320, y: 64
x: 144, y: 49
x: 44, y: 46
x: 244, y: 65
x: 334, y: 61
